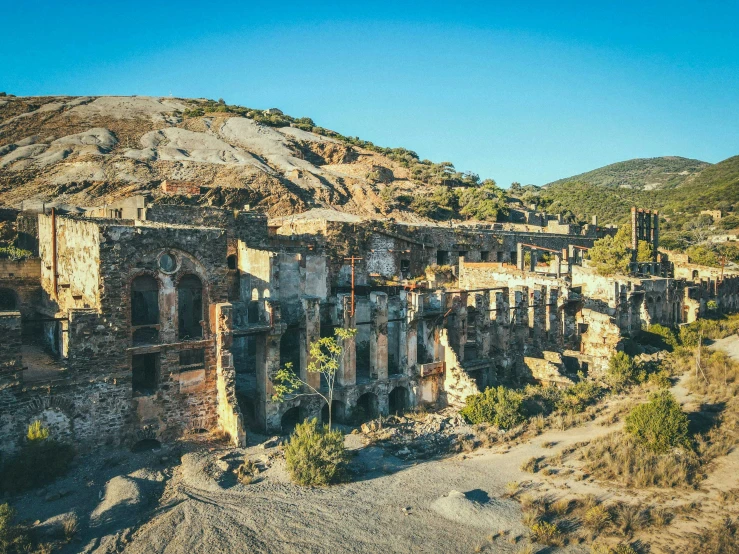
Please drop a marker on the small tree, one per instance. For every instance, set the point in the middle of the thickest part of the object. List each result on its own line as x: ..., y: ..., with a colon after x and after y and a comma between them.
x: 612, y: 255
x: 325, y: 356
x: 316, y: 455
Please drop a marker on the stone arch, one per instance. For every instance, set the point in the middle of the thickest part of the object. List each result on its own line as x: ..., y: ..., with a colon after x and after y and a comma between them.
x: 231, y: 261
x: 55, y: 413
x: 190, y: 306
x: 367, y: 407
x: 290, y: 419
x: 399, y: 400
x: 338, y: 412
x: 8, y: 300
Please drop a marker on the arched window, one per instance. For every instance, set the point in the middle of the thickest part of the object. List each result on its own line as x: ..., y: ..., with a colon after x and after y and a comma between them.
x: 231, y: 260
x: 144, y: 301
x: 190, y: 307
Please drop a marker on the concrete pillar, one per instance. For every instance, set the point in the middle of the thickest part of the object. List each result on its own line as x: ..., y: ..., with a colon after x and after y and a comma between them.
x: 309, y: 335
x: 378, y: 335
x: 347, y: 374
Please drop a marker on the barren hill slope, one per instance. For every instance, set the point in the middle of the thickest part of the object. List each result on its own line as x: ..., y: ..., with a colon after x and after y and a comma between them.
x: 90, y: 150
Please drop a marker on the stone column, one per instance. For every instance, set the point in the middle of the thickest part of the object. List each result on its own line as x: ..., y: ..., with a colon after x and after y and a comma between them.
x: 539, y: 312
x: 519, y: 256
x: 309, y: 335
x: 348, y: 367
x: 378, y: 335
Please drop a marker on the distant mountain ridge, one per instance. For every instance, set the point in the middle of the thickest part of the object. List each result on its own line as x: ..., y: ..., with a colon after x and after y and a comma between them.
x: 641, y: 173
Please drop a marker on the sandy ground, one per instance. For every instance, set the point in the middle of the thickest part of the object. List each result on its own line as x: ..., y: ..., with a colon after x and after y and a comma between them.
x: 185, y: 498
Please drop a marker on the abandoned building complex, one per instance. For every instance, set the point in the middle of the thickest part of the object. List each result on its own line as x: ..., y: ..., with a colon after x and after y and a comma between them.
x: 144, y: 321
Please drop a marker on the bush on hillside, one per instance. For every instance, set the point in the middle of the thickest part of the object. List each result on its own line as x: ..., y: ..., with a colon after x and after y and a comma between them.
x: 39, y: 462
x: 659, y: 424
x: 13, y: 538
x: 623, y: 371
x: 659, y: 336
x: 315, y: 455
x: 496, y: 405
x: 579, y: 396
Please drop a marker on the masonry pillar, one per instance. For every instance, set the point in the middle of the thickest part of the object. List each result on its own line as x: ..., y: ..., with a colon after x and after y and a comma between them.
x: 268, y: 363
x: 410, y: 310
x: 229, y: 414
x: 540, y: 323
x: 532, y: 260
x: 519, y: 256
x: 348, y: 366
x: 378, y: 335
x: 309, y: 335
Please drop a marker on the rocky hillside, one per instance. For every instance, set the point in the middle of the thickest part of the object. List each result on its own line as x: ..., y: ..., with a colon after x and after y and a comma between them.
x: 641, y: 173
x: 90, y: 150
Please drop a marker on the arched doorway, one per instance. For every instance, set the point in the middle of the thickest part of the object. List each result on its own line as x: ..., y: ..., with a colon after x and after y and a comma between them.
x: 190, y: 307
x: 290, y: 419
x: 399, y: 400
x: 338, y: 412
x: 367, y: 407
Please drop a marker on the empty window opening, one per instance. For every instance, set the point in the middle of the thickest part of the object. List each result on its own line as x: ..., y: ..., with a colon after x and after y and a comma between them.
x: 290, y: 419
x: 252, y: 314
x: 484, y: 256
x: 442, y: 257
x: 190, y: 307
x: 367, y: 407
x: 393, y: 347
x: 8, y: 302
x: 399, y: 400
x: 514, y: 257
x: 363, y: 360
x: 145, y: 335
x: 192, y: 359
x: 244, y: 352
x: 144, y: 373
x: 405, y: 268
x: 499, y: 256
x: 463, y: 253
x: 290, y: 349
x: 144, y: 301
x: 231, y: 261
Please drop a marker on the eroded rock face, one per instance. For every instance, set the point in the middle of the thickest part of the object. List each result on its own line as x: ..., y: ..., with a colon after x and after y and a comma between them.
x: 101, y: 149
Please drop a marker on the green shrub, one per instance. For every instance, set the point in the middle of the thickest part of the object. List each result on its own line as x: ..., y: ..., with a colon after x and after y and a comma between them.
x: 315, y: 455
x: 659, y: 336
x: 546, y: 533
x: 579, y: 396
x: 497, y: 405
x: 623, y: 371
x: 659, y: 424
x: 14, y: 253
x: 38, y: 463
x: 13, y: 538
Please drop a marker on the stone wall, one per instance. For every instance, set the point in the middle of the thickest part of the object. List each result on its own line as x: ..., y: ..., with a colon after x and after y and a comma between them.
x: 22, y: 278
x: 10, y: 345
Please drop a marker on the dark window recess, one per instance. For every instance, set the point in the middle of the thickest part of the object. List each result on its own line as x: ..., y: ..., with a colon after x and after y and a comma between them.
x: 442, y: 257
x: 514, y: 257
x: 146, y: 335
x: 290, y: 349
x: 144, y: 373
x: 253, y: 312
x: 144, y: 301
x: 499, y: 256
x: 463, y: 253
x: 582, y: 328
x: 7, y: 300
x: 231, y: 260
x: 192, y: 357
x: 190, y: 307
x: 405, y: 268
x: 484, y: 256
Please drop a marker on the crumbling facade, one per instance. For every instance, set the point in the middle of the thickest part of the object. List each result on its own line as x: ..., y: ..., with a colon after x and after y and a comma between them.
x: 148, y: 321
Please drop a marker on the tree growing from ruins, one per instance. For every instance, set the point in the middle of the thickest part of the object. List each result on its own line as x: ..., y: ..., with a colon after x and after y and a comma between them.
x: 612, y: 255
x: 325, y: 354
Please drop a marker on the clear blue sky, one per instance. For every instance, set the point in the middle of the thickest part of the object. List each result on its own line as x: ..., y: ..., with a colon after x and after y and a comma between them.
x: 515, y: 91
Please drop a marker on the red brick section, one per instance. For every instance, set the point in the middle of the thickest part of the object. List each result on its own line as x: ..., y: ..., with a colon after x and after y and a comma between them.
x: 180, y: 187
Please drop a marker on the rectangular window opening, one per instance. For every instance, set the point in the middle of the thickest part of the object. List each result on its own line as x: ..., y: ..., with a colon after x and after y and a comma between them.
x: 144, y: 373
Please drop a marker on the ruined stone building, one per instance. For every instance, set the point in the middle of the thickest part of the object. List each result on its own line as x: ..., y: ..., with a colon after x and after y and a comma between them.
x: 149, y: 321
